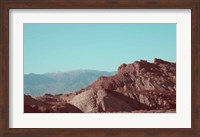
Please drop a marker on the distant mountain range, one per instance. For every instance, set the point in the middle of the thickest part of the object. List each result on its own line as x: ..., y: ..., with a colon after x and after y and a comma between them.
x: 60, y: 82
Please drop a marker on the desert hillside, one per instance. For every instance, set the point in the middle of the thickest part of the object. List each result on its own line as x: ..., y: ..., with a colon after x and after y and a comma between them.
x: 138, y: 87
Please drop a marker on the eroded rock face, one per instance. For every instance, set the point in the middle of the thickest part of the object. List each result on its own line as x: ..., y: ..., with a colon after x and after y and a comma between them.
x: 100, y: 101
x: 137, y: 87
x: 141, y: 76
x: 85, y: 101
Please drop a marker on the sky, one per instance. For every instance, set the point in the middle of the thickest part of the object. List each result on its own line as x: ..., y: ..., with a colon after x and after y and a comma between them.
x: 104, y: 47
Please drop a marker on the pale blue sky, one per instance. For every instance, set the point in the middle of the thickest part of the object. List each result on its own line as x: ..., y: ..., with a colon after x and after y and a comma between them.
x: 64, y: 47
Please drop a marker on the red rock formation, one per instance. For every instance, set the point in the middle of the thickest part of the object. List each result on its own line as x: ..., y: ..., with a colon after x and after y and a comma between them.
x: 137, y: 87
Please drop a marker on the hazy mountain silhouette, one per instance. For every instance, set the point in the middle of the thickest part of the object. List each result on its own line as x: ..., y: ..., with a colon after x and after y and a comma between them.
x: 60, y: 82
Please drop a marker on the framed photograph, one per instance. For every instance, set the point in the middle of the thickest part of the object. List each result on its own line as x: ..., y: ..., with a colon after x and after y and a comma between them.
x: 100, y: 68
x: 110, y: 69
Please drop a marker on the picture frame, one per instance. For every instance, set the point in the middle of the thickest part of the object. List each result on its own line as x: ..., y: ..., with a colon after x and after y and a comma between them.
x: 6, y: 5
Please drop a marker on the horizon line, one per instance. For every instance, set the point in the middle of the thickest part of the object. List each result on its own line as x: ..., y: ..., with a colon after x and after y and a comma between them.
x: 85, y: 69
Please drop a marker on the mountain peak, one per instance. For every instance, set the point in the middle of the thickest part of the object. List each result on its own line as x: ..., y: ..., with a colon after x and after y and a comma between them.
x: 160, y: 61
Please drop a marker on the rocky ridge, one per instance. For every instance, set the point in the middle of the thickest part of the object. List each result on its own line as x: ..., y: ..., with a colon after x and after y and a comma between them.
x: 138, y: 87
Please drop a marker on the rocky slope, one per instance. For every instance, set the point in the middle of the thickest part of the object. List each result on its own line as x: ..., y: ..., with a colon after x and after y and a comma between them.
x: 137, y: 87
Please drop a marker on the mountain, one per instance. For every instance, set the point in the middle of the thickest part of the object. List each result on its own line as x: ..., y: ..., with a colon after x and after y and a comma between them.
x: 61, y: 82
x: 137, y: 87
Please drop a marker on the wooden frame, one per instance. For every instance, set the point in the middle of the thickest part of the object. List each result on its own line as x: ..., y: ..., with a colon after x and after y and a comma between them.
x: 5, y: 5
